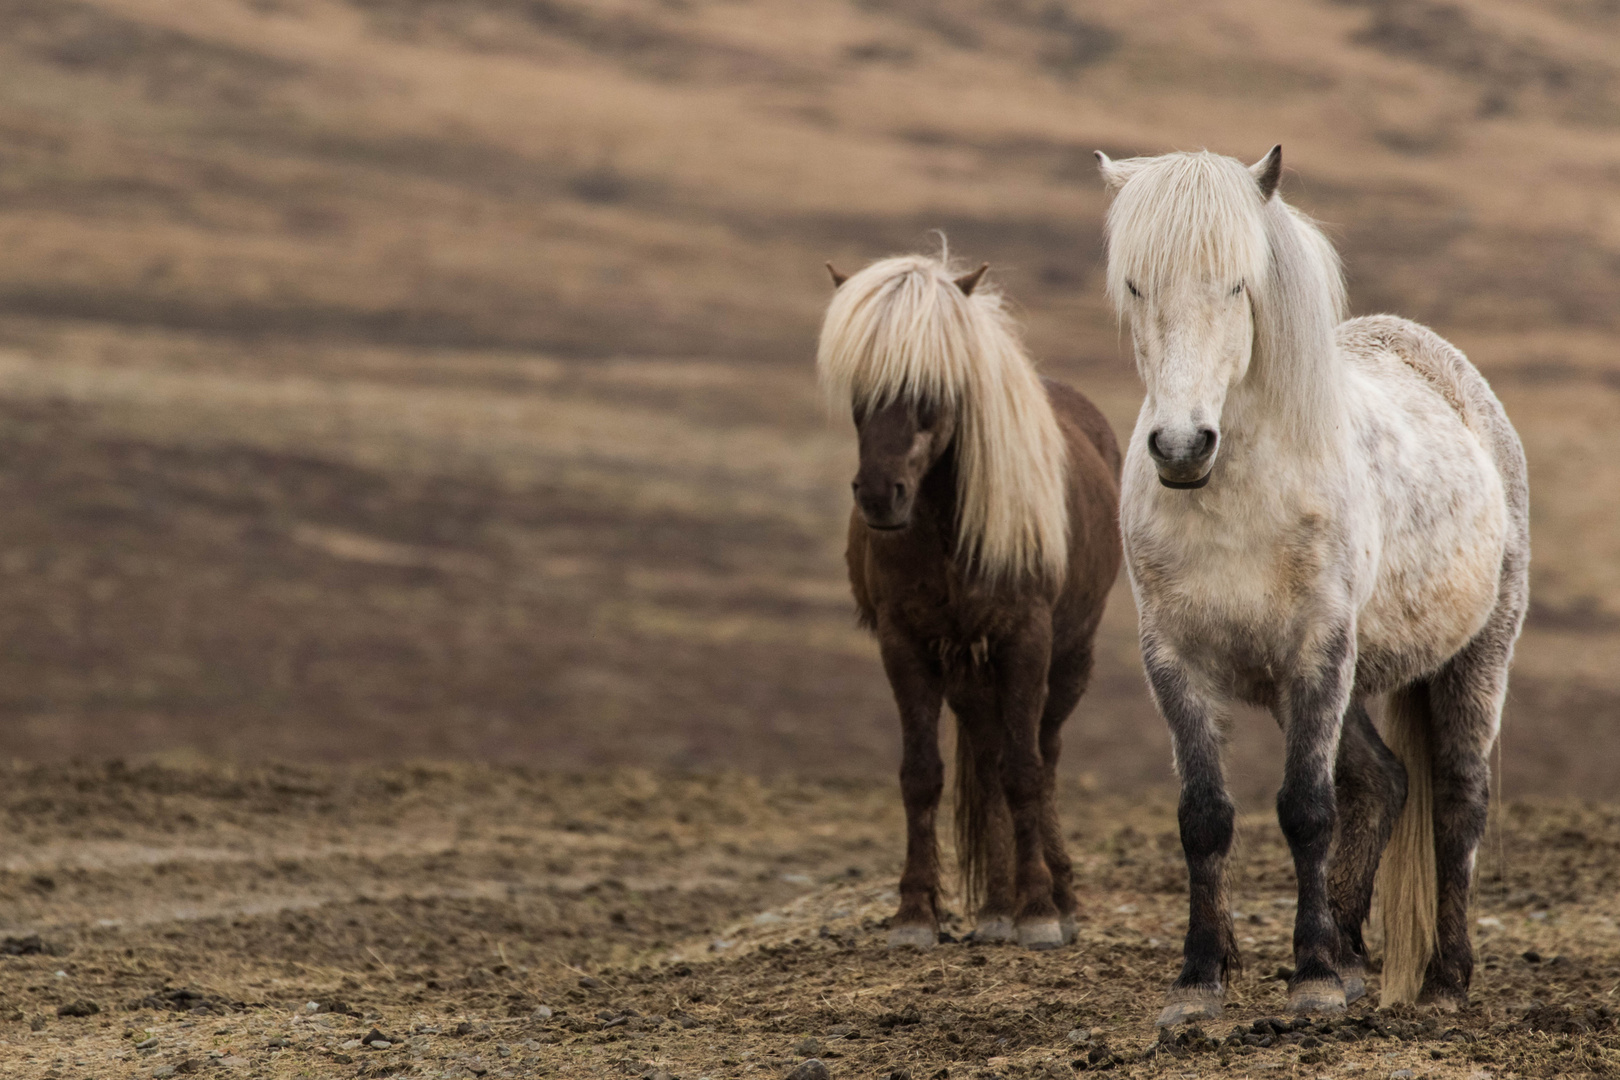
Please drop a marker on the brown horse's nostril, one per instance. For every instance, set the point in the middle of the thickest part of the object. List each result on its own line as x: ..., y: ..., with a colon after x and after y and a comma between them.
x: 899, y: 490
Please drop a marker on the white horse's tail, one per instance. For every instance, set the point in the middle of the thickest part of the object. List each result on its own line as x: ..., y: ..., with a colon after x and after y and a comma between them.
x: 1408, y: 895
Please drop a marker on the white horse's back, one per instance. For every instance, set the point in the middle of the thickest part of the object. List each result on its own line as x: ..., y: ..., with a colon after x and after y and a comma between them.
x: 1446, y: 471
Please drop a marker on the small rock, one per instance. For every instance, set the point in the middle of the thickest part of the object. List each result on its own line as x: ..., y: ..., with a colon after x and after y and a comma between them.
x: 588, y: 982
x: 1532, y: 956
x: 543, y: 1012
x: 379, y: 1044
x: 1079, y: 1035
x: 808, y: 1047
x: 277, y: 1043
x: 349, y: 1044
x: 810, y: 1070
x: 148, y: 1044
x: 503, y: 1050
x: 375, y: 1036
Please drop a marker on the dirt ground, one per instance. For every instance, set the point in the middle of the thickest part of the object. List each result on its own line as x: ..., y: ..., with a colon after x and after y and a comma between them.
x: 172, y: 920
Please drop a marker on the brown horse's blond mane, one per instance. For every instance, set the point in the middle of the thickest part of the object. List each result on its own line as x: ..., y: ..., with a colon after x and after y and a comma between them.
x: 901, y: 328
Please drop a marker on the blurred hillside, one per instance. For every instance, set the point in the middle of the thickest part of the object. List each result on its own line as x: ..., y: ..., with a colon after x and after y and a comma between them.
x: 390, y: 378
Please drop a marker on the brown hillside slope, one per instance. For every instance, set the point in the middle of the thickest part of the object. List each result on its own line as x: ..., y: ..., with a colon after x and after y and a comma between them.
x: 415, y: 377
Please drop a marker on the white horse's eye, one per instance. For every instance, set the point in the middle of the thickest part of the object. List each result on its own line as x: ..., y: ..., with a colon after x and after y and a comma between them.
x: 1131, y: 285
x: 1237, y: 290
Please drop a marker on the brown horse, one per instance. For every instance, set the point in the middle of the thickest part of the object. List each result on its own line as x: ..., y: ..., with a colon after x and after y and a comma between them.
x: 982, y: 546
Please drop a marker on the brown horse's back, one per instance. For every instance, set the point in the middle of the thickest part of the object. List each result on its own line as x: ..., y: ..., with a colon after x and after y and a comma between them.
x: 1094, y: 544
x: 1079, y: 417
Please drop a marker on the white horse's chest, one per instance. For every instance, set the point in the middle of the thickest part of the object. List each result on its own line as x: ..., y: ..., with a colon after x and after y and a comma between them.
x: 1229, y: 583
x: 1402, y: 539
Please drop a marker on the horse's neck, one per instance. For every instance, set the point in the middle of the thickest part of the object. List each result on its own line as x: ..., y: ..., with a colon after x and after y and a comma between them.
x: 1294, y: 404
x: 937, y: 499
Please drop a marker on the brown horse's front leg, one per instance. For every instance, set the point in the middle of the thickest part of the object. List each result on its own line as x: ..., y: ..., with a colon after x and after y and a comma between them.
x: 918, y: 690
x: 1020, y: 666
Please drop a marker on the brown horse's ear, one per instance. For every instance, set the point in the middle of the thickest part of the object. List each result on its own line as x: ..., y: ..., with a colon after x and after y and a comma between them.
x: 838, y: 279
x: 968, y: 282
x: 1268, y: 171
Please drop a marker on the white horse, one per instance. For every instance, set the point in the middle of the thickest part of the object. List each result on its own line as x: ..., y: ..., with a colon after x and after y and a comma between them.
x: 1314, y: 512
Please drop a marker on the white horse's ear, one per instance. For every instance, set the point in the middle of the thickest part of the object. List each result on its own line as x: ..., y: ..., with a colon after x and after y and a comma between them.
x: 1115, y: 173
x: 838, y: 279
x: 968, y: 282
x: 1268, y: 171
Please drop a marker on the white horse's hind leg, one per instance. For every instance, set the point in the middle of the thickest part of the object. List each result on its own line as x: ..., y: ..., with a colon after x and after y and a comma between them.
x: 1370, y: 787
x: 1465, y: 702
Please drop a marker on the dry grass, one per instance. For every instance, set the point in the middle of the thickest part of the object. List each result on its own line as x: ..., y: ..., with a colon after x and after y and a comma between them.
x: 407, y: 377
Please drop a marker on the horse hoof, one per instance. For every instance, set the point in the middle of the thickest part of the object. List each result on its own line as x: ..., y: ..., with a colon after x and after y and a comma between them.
x: 1355, y: 988
x: 994, y: 930
x: 913, y: 937
x: 1040, y: 934
x: 1444, y: 1003
x: 1188, y: 1005
x: 1318, y: 997
x: 1070, y: 929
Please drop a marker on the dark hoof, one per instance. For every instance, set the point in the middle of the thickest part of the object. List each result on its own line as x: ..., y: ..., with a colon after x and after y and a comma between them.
x: 1190, y: 1004
x: 913, y: 937
x: 1070, y: 928
x: 1355, y: 986
x: 1040, y: 934
x: 995, y: 930
x: 1442, y: 1001
x: 1317, y: 997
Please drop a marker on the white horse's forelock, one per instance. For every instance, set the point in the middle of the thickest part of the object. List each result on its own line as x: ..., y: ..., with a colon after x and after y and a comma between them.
x: 1202, y: 215
x: 902, y: 328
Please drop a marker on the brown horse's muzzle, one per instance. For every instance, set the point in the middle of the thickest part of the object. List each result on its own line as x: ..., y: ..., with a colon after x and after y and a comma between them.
x: 885, y: 505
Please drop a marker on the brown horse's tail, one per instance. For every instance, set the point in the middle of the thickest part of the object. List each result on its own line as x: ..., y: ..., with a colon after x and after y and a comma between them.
x: 973, y: 828
x: 1408, y: 896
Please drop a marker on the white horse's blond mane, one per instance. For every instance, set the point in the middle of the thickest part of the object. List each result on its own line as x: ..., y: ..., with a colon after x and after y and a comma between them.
x: 901, y: 328
x: 1202, y: 215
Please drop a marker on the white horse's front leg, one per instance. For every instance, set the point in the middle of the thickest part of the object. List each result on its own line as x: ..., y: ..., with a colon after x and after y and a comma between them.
x: 1206, y: 817
x: 1311, y: 704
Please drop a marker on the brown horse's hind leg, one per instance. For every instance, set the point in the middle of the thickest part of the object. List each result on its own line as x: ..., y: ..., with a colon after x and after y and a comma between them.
x: 1067, y: 683
x: 917, y: 690
x: 1021, y: 667
x: 984, y: 833
x: 1465, y: 703
x: 1370, y: 788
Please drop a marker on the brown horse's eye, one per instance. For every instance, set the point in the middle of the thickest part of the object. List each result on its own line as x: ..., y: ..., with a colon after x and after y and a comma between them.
x: 927, y: 414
